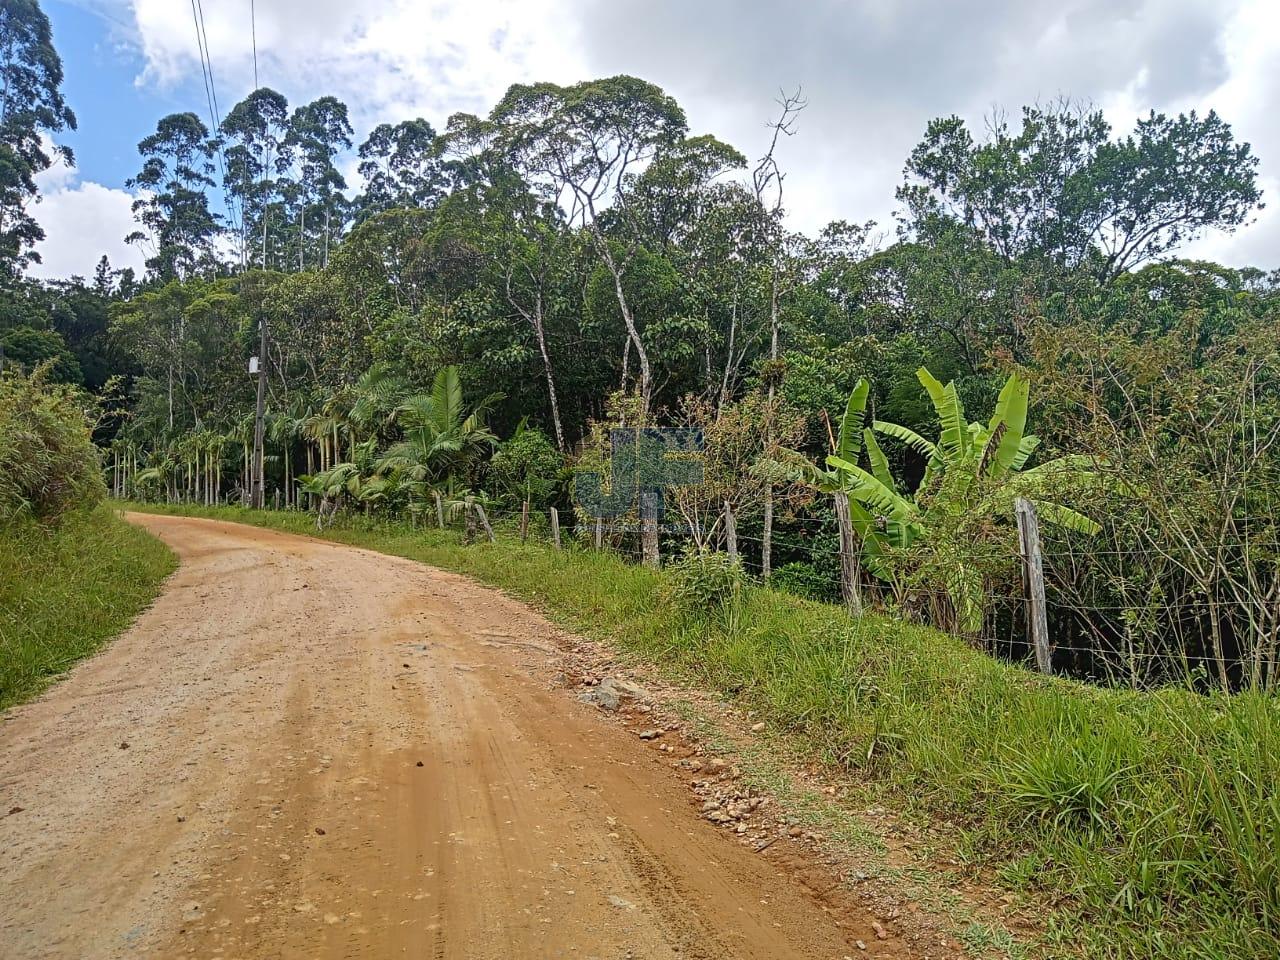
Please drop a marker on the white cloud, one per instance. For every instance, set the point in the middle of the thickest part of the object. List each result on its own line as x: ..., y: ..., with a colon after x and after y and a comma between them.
x: 387, y: 59
x: 874, y: 72
x: 82, y: 221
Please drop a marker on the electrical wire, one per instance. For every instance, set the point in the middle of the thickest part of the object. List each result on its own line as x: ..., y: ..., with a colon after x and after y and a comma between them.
x: 211, y: 100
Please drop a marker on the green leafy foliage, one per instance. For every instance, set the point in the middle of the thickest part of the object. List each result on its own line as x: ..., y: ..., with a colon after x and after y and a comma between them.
x: 924, y: 542
x: 705, y: 583
x: 48, y: 463
x: 31, y: 107
x: 528, y: 467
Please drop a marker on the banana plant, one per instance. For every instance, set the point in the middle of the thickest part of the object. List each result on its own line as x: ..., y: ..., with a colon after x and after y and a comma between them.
x: 973, y: 470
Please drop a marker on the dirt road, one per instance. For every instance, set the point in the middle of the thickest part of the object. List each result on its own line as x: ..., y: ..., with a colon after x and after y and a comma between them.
x: 308, y: 750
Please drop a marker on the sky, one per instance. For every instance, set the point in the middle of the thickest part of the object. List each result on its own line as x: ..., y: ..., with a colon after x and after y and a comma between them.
x: 874, y: 72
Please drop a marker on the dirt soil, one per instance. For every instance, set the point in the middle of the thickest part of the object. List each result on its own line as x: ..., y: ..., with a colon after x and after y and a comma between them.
x: 310, y: 750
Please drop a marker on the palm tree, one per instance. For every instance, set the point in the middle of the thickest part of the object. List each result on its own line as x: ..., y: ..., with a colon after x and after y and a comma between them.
x: 284, y: 430
x: 441, y: 439
x: 375, y: 397
x: 322, y: 428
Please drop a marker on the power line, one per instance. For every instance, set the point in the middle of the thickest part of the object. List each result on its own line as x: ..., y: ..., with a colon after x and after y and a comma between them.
x: 253, y: 33
x: 211, y: 100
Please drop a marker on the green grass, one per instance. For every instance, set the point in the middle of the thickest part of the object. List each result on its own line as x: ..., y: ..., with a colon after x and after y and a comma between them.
x: 67, y: 588
x: 1142, y: 824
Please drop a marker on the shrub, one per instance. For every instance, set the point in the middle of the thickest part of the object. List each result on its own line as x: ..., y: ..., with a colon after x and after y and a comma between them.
x: 48, y: 463
x: 703, y: 581
x: 31, y: 348
x: 528, y: 467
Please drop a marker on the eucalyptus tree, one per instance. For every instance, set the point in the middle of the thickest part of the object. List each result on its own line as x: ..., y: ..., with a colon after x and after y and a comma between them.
x: 579, y: 145
x: 173, y: 208
x: 318, y: 132
x: 253, y: 133
x: 31, y: 108
x: 186, y: 341
x: 402, y: 165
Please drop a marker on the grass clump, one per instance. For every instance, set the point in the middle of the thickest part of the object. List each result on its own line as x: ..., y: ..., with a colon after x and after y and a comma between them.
x: 48, y: 463
x: 65, y: 588
x: 1148, y: 822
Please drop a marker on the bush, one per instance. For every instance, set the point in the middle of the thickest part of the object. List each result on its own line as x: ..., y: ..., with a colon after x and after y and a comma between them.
x: 528, y: 467
x: 804, y: 580
x: 705, y: 582
x: 31, y: 348
x: 48, y: 463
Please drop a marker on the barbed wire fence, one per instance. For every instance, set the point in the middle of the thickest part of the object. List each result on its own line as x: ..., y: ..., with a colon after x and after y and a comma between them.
x: 1107, y: 643
x: 1099, y: 634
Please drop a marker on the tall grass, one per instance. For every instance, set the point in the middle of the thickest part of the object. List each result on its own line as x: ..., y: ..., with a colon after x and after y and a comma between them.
x: 1150, y: 822
x: 65, y: 588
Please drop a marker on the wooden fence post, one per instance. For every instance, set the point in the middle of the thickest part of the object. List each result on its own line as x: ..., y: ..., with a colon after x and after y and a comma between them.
x: 524, y: 522
x: 649, y: 528
x: 766, y: 537
x: 850, y: 589
x: 484, y: 520
x: 599, y: 533
x: 439, y: 511
x: 730, y: 532
x: 555, y: 527
x: 1033, y: 580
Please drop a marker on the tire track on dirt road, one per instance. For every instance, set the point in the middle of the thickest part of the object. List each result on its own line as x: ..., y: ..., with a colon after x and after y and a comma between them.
x: 310, y: 750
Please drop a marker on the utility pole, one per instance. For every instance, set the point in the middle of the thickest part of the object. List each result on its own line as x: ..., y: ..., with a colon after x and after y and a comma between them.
x: 257, y: 496
x: 258, y: 489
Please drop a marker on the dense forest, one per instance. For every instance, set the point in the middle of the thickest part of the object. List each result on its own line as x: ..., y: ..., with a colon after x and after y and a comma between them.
x: 493, y: 294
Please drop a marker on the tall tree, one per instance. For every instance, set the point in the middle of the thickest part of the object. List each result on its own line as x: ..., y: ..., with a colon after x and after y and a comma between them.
x: 402, y: 166
x: 254, y: 131
x: 526, y: 243
x: 177, y: 169
x: 579, y: 144
x: 30, y: 104
x: 318, y: 131
x: 1059, y: 189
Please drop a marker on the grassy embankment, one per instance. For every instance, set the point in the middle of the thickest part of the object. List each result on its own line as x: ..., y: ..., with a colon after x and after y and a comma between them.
x: 66, y: 588
x: 1148, y: 822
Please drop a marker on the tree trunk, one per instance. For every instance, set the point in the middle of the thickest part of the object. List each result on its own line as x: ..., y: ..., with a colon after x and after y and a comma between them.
x: 540, y: 333
x: 629, y: 320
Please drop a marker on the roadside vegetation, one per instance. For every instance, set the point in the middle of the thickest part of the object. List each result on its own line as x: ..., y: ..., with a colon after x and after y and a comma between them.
x: 72, y: 573
x: 538, y: 317
x: 1147, y: 822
